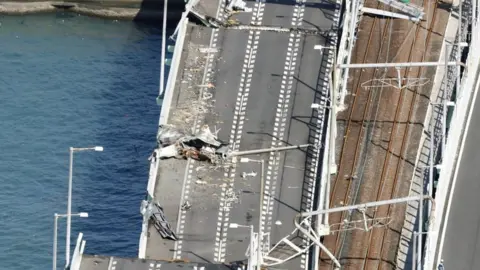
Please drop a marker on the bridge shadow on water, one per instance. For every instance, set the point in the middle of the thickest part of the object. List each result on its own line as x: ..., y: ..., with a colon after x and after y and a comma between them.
x: 151, y: 12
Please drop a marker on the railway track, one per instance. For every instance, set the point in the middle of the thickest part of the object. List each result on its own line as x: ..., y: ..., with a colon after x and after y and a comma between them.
x: 378, y: 244
x: 372, y: 250
x: 350, y: 150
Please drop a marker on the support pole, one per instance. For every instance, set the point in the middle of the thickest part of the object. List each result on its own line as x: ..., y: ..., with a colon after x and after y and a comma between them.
x: 399, y: 76
x: 444, y: 113
x: 346, y: 208
x: 365, y: 205
x: 420, y: 227
x: 385, y: 13
x: 164, y: 40
x: 391, y: 65
x: 268, y: 150
x: 414, y: 252
x: 69, y: 209
x: 252, y: 249
x: 260, y: 229
x: 430, y: 171
x: 332, y: 135
x: 365, y: 220
x: 55, y: 222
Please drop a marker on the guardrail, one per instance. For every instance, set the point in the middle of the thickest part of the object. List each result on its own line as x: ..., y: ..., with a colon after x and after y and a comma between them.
x: 347, y: 42
x: 164, y: 112
x: 456, y: 136
x: 429, y: 148
x: 321, y: 158
x: 343, y: 48
x: 172, y: 75
x: 77, y: 253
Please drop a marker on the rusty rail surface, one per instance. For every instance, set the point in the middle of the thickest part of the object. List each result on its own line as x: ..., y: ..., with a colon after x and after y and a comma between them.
x: 372, y: 246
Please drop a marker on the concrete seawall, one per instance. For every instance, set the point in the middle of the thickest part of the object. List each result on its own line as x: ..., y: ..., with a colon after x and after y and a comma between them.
x: 135, y: 10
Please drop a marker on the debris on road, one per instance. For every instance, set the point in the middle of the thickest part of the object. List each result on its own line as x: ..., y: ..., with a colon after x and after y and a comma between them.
x: 238, y: 5
x: 186, y: 205
x: 203, y: 146
x: 154, y: 211
x: 250, y: 174
x: 199, y: 182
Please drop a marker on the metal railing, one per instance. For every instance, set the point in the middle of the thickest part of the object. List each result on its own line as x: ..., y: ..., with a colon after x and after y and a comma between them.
x: 456, y: 136
x: 164, y: 112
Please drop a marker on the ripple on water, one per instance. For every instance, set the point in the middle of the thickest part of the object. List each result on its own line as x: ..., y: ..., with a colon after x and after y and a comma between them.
x: 68, y: 80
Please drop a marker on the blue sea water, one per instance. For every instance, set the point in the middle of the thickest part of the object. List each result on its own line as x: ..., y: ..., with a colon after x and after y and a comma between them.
x: 69, y: 80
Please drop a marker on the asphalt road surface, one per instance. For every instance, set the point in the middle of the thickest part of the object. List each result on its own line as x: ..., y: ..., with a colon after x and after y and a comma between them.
x: 264, y: 83
x: 462, y: 238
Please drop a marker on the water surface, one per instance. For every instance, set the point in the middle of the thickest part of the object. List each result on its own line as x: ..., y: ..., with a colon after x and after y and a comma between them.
x: 68, y: 80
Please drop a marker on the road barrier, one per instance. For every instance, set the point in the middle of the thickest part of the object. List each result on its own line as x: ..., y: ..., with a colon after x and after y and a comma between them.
x: 78, y: 253
x: 164, y: 112
x: 350, y: 24
x: 453, y: 150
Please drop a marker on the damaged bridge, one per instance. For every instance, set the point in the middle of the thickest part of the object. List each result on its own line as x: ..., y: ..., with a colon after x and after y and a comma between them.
x: 238, y: 142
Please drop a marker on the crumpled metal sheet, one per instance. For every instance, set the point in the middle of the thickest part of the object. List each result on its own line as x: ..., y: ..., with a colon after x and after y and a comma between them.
x: 203, y: 146
x: 168, y: 135
x: 168, y: 151
x: 207, y: 137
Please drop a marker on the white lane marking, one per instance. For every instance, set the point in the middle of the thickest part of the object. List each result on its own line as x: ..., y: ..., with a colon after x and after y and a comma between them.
x: 112, y: 264
x: 320, y: 123
x: 281, y: 120
x: 236, y: 131
x: 154, y: 266
x: 177, y: 254
x: 457, y: 169
x: 312, y: 164
x: 281, y: 114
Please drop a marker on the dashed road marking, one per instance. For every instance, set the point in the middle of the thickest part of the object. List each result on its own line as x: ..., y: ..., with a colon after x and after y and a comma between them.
x: 112, y: 264
x: 236, y: 131
x: 281, y: 118
x: 177, y: 254
x: 154, y: 266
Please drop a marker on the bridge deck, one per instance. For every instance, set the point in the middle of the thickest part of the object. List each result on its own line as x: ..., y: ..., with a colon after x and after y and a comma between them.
x: 261, y: 86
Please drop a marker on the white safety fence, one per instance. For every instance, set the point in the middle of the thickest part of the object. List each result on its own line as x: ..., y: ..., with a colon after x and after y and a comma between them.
x: 351, y: 19
x: 164, y: 112
x: 430, y: 144
x: 338, y: 83
x: 456, y: 136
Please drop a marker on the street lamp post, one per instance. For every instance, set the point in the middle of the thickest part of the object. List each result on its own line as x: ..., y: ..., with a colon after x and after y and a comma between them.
x: 262, y: 187
x: 251, y: 253
x: 69, y: 202
x: 332, y: 121
x: 416, y: 258
x: 55, y: 226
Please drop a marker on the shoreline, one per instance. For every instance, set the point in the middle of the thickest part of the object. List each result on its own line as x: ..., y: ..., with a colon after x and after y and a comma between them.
x: 134, y: 10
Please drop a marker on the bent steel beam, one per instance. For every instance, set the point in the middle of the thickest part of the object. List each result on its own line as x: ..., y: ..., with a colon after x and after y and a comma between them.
x: 314, y: 238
